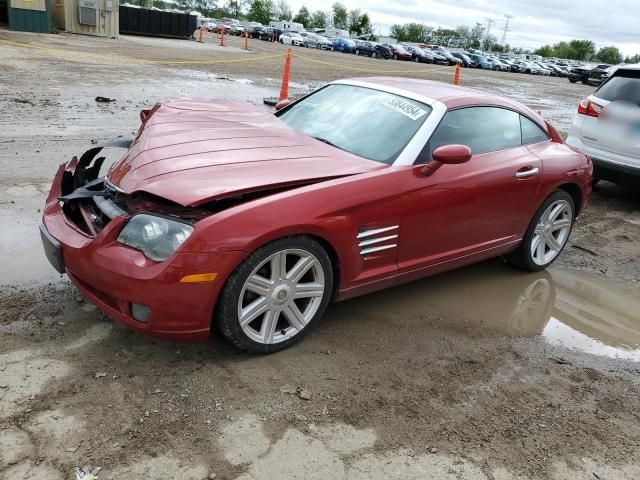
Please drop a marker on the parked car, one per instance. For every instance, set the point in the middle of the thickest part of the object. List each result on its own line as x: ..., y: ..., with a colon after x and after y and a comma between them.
x: 481, y: 61
x: 266, y: 34
x: 364, y: 48
x: 210, y: 26
x: 311, y: 40
x: 599, y: 75
x: 451, y: 59
x: 437, y: 57
x: 556, y: 70
x: 179, y: 244
x: 513, y: 66
x: 397, y: 52
x: 543, y: 70
x: 418, y: 54
x: 499, y: 65
x: 222, y: 27
x: 582, y: 73
x: 607, y: 127
x: 528, y: 67
x: 291, y: 38
x: 254, y: 32
x: 465, y: 60
x: 237, y: 30
x: 344, y: 45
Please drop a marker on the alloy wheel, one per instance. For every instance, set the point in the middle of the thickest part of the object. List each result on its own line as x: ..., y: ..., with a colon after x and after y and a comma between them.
x: 551, y: 232
x: 281, y: 296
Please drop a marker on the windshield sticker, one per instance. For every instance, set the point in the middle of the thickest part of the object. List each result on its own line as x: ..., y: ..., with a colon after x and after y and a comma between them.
x: 405, y: 108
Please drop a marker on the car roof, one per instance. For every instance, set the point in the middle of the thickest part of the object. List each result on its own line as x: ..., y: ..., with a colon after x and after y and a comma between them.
x: 451, y: 95
x: 630, y: 66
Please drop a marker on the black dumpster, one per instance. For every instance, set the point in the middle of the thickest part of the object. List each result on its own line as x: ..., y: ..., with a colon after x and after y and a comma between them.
x: 156, y: 23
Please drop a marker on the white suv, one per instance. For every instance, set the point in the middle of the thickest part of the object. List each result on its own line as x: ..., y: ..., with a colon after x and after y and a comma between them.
x: 607, y: 127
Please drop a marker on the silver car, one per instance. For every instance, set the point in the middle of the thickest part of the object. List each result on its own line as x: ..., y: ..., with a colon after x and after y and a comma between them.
x: 311, y: 40
x: 607, y: 127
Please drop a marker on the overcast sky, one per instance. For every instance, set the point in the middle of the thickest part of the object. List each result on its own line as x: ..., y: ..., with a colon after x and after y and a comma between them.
x: 535, y: 22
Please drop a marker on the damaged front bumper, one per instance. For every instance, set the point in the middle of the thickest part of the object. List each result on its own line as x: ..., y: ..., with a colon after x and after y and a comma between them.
x: 81, y: 224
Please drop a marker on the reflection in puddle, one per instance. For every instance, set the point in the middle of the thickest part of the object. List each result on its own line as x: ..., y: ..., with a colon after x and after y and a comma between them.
x: 592, y: 315
x: 580, y: 311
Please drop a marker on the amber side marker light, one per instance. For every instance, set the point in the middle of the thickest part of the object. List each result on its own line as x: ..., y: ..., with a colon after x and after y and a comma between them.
x: 199, y: 277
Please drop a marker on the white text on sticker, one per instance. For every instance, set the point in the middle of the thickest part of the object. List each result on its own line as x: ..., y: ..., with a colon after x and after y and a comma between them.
x: 407, y: 109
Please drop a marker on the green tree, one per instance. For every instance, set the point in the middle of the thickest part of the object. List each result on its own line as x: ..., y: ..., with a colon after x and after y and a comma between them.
x: 234, y: 8
x: 489, y: 41
x: 609, y: 55
x: 443, y: 36
x: 318, y: 19
x: 633, y: 59
x: 475, y: 36
x: 358, y: 22
x: 418, y: 32
x: 261, y: 11
x: 365, y: 24
x: 340, y: 15
x: 303, y: 16
x: 283, y: 10
x: 545, y: 51
x: 399, y: 32
x: 582, y: 49
x: 353, y: 21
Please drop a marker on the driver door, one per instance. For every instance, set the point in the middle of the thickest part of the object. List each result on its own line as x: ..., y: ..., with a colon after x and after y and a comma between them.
x: 462, y: 213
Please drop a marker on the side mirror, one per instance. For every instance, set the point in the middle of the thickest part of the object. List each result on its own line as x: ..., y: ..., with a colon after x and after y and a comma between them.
x: 452, y: 154
x: 282, y: 103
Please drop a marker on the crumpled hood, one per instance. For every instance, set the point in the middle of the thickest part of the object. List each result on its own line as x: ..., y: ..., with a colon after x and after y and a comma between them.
x: 195, y: 151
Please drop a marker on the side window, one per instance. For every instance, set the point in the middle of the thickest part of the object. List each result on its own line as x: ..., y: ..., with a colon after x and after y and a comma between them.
x: 531, y: 133
x: 482, y: 129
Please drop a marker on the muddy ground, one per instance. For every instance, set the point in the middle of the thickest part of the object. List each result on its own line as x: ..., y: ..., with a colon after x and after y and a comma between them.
x: 482, y: 373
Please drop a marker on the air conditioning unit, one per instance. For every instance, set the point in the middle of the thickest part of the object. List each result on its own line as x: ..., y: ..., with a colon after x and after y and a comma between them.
x: 88, y: 12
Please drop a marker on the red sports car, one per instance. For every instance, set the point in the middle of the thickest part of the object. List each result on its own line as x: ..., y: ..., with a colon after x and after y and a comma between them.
x: 224, y: 216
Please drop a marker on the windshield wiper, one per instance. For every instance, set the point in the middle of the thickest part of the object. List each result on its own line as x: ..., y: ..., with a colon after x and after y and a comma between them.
x: 328, y: 142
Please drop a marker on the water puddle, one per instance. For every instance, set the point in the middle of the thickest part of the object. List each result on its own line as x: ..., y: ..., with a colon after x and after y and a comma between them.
x: 580, y: 311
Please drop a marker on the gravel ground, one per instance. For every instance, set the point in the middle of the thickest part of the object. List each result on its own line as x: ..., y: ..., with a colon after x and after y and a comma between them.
x: 483, y: 373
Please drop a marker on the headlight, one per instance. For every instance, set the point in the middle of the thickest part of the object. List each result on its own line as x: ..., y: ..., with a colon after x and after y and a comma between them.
x: 157, y: 237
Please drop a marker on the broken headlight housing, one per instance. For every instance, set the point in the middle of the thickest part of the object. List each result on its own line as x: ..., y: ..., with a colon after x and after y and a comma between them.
x: 157, y: 237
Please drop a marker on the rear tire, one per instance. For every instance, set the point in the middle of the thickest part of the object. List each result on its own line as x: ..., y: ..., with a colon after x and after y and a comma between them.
x: 547, y: 234
x: 280, y: 292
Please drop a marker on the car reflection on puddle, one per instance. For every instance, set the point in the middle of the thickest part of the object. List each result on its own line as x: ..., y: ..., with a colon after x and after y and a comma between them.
x: 591, y: 315
x: 579, y: 311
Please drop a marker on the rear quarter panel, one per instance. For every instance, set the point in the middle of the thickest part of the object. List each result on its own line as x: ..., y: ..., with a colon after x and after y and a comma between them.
x: 561, y: 166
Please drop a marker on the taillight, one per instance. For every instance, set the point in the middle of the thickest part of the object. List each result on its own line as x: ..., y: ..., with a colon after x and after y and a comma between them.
x: 587, y: 107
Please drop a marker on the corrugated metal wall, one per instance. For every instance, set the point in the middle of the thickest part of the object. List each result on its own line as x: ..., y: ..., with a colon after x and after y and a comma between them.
x: 30, y: 15
x: 107, y: 24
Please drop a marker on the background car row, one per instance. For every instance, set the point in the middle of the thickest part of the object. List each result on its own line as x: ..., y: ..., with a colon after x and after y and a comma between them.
x: 587, y: 74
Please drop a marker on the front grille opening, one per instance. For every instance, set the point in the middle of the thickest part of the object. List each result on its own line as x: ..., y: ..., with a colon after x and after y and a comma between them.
x: 73, y: 212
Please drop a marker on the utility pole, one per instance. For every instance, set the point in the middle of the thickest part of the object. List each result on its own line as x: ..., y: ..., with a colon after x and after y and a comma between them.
x: 489, y: 23
x: 506, y: 28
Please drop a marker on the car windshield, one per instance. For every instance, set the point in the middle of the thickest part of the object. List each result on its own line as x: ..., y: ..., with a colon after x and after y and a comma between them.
x: 365, y: 122
x: 623, y: 86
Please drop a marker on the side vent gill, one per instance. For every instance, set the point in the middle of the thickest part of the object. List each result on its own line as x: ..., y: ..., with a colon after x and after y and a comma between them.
x: 371, y: 241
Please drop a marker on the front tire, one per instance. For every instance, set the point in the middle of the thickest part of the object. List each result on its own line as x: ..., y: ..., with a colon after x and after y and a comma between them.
x: 276, y: 295
x: 547, y: 234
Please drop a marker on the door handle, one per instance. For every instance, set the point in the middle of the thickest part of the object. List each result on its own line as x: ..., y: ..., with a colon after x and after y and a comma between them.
x: 527, y: 173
